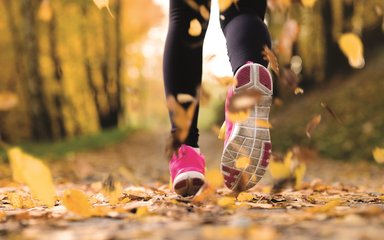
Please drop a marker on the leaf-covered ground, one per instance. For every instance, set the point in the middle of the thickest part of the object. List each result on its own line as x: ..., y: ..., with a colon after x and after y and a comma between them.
x: 338, y: 200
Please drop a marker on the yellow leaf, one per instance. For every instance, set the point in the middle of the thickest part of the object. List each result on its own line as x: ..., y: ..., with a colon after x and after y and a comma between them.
x: 225, y: 4
x: 103, y: 3
x: 378, y: 155
x: 329, y: 206
x: 31, y: 171
x: 263, y: 123
x: 195, y: 28
x: 352, y: 46
x: 242, y: 162
x: 3, y: 215
x: 308, y: 3
x: 204, y: 12
x: 226, y: 81
x: 19, y: 201
x: 298, y: 91
x: 240, y: 116
x: 15, y: 158
x: 278, y: 170
x: 222, y: 131
x: 245, y: 197
x: 299, y: 175
x: 214, y: 178
x: 45, y: 11
x: 226, y: 201
x: 76, y: 201
x: 112, y: 190
x: 142, y: 211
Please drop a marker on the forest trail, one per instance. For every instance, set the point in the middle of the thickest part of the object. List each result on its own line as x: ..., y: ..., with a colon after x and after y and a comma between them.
x: 338, y: 201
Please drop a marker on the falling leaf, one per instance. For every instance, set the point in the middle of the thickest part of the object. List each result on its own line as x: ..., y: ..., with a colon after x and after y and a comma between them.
x: 226, y: 81
x: 244, y: 100
x: 214, y: 178
x: 238, y: 116
x: 315, y: 121
x: 204, y: 12
x: 31, y: 171
x: 245, y: 197
x: 278, y: 170
x: 184, y: 98
x: 299, y: 175
x: 8, y: 100
x: 112, y: 189
x: 225, y: 4
x: 242, y: 162
x: 263, y: 123
x: 352, y: 46
x: 269, y: 56
x: 299, y: 91
x: 76, y: 201
x: 193, y: 4
x: 45, y: 11
x: 378, y: 154
x: 226, y: 201
x: 330, y: 110
x: 205, y: 96
x: 103, y: 3
x: 308, y: 3
x: 287, y: 38
x: 222, y: 131
x: 181, y: 117
x: 289, y: 78
x: 195, y: 28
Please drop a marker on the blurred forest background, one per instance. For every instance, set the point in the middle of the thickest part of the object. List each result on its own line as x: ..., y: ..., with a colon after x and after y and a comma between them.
x: 68, y: 69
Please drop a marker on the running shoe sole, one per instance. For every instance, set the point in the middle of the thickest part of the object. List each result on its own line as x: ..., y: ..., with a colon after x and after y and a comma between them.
x: 188, y: 183
x: 247, y: 139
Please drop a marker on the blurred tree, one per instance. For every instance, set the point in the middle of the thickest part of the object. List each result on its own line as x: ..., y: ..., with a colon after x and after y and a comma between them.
x: 67, y: 64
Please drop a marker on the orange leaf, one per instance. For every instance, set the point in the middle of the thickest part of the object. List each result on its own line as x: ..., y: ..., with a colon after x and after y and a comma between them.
x: 242, y: 162
x: 195, y: 28
x: 272, y: 59
x: 315, y: 121
x: 263, y: 123
x: 76, y: 201
x: 352, y: 46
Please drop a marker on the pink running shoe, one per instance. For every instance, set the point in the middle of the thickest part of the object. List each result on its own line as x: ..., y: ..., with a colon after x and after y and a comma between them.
x: 187, y: 171
x: 246, y: 139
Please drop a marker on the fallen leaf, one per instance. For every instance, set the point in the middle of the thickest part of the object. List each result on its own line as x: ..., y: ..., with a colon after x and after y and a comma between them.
x: 226, y: 202
x: 245, y: 197
x: 76, y: 201
x: 20, y: 201
x: 329, y: 206
x: 378, y: 154
x: 311, y: 125
x: 142, y: 211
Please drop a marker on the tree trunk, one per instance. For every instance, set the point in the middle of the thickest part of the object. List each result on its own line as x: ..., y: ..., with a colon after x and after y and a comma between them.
x: 38, y: 111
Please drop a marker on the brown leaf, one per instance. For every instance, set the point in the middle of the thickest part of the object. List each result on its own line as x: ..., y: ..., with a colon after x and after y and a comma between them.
x: 193, y: 4
x: 333, y: 113
x: 289, y: 78
x: 204, y: 12
x: 244, y: 100
x: 269, y: 56
x: 315, y: 121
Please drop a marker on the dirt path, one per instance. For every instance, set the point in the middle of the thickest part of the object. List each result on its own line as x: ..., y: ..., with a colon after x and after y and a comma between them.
x: 348, y: 203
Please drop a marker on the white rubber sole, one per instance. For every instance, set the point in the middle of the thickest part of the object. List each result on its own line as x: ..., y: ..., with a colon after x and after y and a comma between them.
x: 247, y: 139
x: 188, y: 183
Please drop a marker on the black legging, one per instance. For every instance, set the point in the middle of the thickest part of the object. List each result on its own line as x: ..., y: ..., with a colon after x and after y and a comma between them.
x: 244, y: 30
